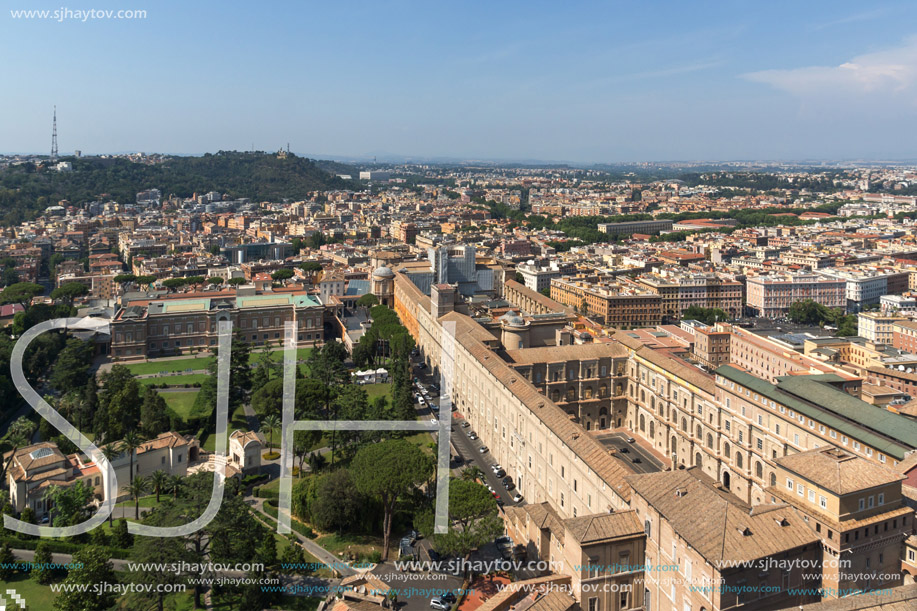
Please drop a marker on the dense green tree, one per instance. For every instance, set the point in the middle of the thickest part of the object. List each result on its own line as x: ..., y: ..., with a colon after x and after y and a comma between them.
x: 7, y: 559
x: 42, y: 560
x: 71, y: 368
x: 120, y: 536
x: 338, y: 504
x: 708, y: 316
x: 367, y: 301
x: 282, y: 274
x: 78, y: 593
x: 154, y: 417
x: 21, y: 293
x: 69, y: 503
x: 119, y: 404
x: 473, y: 519
x: 389, y: 470
x: 70, y: 291
x: 163, y: 551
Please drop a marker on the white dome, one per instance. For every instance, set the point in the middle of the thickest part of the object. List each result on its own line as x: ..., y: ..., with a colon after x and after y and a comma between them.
x: 383, y: 272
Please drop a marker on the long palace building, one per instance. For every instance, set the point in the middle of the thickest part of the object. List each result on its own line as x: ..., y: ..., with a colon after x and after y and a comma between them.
x: 544, y: 410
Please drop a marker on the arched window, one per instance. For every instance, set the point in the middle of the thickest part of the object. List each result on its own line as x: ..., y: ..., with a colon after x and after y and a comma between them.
x: 726, y: 449
x: 700, y: 434
x: 773, y: 479
x: 739, y: 461
x: 642, y: 396
x: 648, y: 529
x: 555, y: 395
x: 652, y: 429
x: 571, y: 394
x: 709, y: 441
x: 603, y: 411
x: 642, y: 423
x: 684, y: 425
x: 603, y: 390
x: 759, y: 470
x: 697, y: 460
x: 653, y: 403
x: 588, y: 392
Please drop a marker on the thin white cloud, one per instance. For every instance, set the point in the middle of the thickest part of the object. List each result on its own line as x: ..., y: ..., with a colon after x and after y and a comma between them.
x: 889, y: 72
x: 856, y: 18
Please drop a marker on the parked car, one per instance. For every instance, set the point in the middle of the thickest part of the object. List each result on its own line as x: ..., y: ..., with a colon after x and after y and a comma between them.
x: 631, y: 440
x: 472, y: 435
x: 636, y: 459
x: 500, y: 473
x: 439, y: 604
x: 448, y: 597
x: 484, y: 450
x: 509, y: 486
x: 496, y: 467
x: 625, y: 450
x: 421, y: 401
x: 500, y: 502
x: 465, y: 424
x: 517, y: 498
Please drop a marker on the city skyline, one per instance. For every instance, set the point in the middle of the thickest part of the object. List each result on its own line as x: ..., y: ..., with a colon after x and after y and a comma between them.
x: 417, y: 82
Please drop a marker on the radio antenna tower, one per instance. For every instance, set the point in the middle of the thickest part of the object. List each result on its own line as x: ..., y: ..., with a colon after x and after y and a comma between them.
x: 54, y: 136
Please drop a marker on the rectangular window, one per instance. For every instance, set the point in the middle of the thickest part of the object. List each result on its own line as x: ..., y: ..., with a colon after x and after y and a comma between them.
x: 822, y: 501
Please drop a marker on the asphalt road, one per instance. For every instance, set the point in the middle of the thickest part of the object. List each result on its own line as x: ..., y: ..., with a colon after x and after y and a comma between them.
x: 469, y: 449
x: 648, y: 463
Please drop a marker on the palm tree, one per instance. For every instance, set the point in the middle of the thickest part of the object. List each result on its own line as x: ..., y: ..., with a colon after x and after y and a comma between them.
x: 132, y: 441
x: 159, y: 480
x: 270, y: 424
x: 175, y: 484
x: 472, y: 473
x: 137, y: 489
x: 110, y: 452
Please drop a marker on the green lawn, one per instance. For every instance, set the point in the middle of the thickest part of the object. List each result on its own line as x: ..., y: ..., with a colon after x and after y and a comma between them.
x: 180, y: 380
x: 180, y: 402
x: 146, y: 501
x: 378, y: 390
x: 202, y: 361
x: 237, y: 420
x: 358, y: 545
x: 277, y: 355
x: 422, y: 440
x: 36, y: 596
x: 167, y: 364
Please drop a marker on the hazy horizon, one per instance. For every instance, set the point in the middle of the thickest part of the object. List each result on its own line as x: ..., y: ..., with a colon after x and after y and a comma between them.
x: 580, y: 84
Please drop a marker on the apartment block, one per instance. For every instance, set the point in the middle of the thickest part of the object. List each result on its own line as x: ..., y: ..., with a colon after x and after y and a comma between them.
x: 771, y: 296
x: 620, y: 304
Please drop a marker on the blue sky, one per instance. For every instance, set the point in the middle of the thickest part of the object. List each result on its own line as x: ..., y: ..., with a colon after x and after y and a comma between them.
x: 583, y: 82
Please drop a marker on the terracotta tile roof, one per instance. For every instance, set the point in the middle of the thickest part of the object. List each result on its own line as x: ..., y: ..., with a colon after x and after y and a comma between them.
x: 590, y: 451
x: 550, y: 354
x: 604, y: 526
x: 902, y: 598
x: 839, y: 471
x: 555, y: 600
x: 726, y: 529
x: 49, y: 455
x: 545, y: 517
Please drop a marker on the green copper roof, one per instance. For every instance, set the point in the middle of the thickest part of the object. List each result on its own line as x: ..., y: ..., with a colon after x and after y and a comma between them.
x: 812, y: 397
